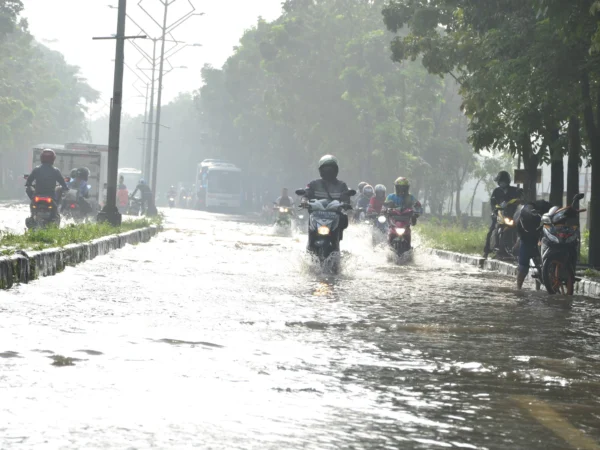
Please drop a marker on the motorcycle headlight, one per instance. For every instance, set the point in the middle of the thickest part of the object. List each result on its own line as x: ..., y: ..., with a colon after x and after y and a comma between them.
x: 381, y: 219
x: 323, y: 230
x: 301, y: 216
x: 400, y: 231
x: 509, y: 222
x: 283, y: 210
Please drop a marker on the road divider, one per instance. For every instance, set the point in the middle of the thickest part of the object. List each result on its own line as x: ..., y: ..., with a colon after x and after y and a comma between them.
x: 25, y: 266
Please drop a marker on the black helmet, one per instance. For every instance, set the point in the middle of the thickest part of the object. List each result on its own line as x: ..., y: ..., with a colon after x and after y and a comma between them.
x: 83, y: 173
x: 74, y: 173
x: 328, y: 167
x: 503, y: 178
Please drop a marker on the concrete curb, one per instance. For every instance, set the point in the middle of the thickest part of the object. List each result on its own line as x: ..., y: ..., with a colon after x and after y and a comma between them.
x: 27, y: 266
x: 585, y: 287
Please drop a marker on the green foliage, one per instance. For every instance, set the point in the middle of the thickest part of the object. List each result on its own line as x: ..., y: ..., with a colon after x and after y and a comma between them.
x: 451, y: 237
x: 319, y: 80
x: 75, y: 234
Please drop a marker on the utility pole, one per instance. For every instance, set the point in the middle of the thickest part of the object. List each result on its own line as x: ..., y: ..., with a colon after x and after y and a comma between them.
x: 110, y: 213
x: 150, y: 120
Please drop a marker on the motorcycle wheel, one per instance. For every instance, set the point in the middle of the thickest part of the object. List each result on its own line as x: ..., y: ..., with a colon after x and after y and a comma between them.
x: 558, y: 277
x: 509, y: 241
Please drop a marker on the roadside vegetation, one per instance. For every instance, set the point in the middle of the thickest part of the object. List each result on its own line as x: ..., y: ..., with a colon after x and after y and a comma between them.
x: 451, y: 236
x: 53, y: 237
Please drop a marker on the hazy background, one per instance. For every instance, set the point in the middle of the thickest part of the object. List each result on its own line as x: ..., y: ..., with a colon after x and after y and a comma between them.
x: 69, y: 25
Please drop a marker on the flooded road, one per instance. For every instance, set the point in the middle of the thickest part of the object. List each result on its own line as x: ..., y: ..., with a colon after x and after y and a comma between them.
x: 218, y: 334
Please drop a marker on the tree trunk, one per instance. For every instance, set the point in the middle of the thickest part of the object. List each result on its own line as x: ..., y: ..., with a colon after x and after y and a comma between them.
x: 458, y: 191
x: 574, y: 159
x: 557, y: 180
x: 474, y: 194
x: 451, y: 204
x: 530, y: 163
x: 594, y: 144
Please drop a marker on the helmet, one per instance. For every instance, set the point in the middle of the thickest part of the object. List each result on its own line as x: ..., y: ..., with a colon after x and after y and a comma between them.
x: 74, y: 173
x: 503, y: 178
x: 142, y: 181
x: 172, y: 187
x: 402, y: 186
x: 328, y: 167
x: 48, y: 156
x: 361, y: 186
x: 368, y: 191
x: 83, y: 173
x: 380, y: 191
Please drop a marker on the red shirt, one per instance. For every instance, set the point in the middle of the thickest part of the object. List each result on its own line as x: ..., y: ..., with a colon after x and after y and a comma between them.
x: 375, y: 205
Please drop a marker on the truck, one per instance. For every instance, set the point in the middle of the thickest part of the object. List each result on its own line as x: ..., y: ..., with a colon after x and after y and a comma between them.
x: 76, y: 155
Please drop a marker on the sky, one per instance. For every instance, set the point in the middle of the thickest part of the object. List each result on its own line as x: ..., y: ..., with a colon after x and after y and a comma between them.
x: 69, y: 25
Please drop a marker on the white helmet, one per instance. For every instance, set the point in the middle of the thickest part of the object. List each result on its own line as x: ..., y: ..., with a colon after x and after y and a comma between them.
x: 368, y: 191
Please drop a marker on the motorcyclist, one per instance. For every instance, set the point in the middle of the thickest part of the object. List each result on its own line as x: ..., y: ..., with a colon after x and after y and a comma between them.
x: 46, y: 177
x: 183, y: 193
x: 146, y: 192
x: 503, y: 193
x: 285, y: 200
x: 402, y: 199
x: 378, y: 200
x: 172, y: 193
x: 528, y: 218
x: 329, y: 187
x: 83, y: 192
x: 367, y: 195
x: 72, y: 183
x: 359, y: 192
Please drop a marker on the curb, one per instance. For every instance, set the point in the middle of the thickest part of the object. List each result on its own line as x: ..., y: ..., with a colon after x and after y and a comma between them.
x: 28, y: 266
x: 584, y: 287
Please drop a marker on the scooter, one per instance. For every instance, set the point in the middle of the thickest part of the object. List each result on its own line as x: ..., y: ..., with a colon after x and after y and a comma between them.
x: 44, y: 212
x: 324, y: 233
x: 559, y: 247
x: 505, y: 237
x: 283, y: 219
x: 399, y: 235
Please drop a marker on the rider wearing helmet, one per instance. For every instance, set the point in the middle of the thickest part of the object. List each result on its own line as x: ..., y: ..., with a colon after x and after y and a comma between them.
x: 402, y: 198
x: 46, y: 177
x: 378, y: 200
x: 83, y: 192
x: 359, y: 193
x: 503, y: 193
x: 367, y: 194
x: 329, y: 187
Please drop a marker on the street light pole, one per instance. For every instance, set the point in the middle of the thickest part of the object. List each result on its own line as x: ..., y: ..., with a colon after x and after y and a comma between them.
x: 166, y: 3
x: 150, y: 120
x: 145, y: 125
x: 110, y: 213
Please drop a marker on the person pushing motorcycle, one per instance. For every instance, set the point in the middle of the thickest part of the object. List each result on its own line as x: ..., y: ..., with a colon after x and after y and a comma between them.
x: 528, y: 218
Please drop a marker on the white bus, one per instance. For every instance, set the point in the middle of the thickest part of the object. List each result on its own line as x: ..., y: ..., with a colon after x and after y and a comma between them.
x: 219, y: 184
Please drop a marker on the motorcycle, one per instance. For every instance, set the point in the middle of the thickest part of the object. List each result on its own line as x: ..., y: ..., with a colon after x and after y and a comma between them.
x: 324, y: 231
x: 183, y: 201
x: 284, y: 217
x: 379, y: 228
x: 135, y: 207
x: 559, y: 245
x: 399, y: 234
x: 359, y: 215
x: 44, y: 212
x: 505, y: 237
x: 171, y: 201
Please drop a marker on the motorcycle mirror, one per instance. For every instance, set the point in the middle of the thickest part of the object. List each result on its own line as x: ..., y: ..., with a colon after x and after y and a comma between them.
x: 300, y: 192
x: 351, y: 192
x: 25, y: 176
x: 578, y: 197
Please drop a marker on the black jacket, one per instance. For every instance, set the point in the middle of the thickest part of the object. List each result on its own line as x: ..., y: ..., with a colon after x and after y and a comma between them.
x: 529, y: 217
x: 501, y: 195
x: 144, y: 190
x: 330, y: 190
x: 46, y: 177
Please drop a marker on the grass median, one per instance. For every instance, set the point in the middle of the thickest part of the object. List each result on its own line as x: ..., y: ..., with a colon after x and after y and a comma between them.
x: 452, y: 237
x: 53, y: 237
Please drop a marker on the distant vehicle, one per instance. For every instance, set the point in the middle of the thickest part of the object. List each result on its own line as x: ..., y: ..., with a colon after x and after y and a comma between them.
x: 219, y: 184
x: 131, y: 177
x: 73, y: 155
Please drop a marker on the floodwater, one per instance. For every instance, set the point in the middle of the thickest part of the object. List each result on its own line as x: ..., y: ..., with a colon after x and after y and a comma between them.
x: 219, y: 334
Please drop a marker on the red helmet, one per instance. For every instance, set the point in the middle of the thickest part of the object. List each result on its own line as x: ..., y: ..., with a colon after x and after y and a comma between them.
x: 48, y: 156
